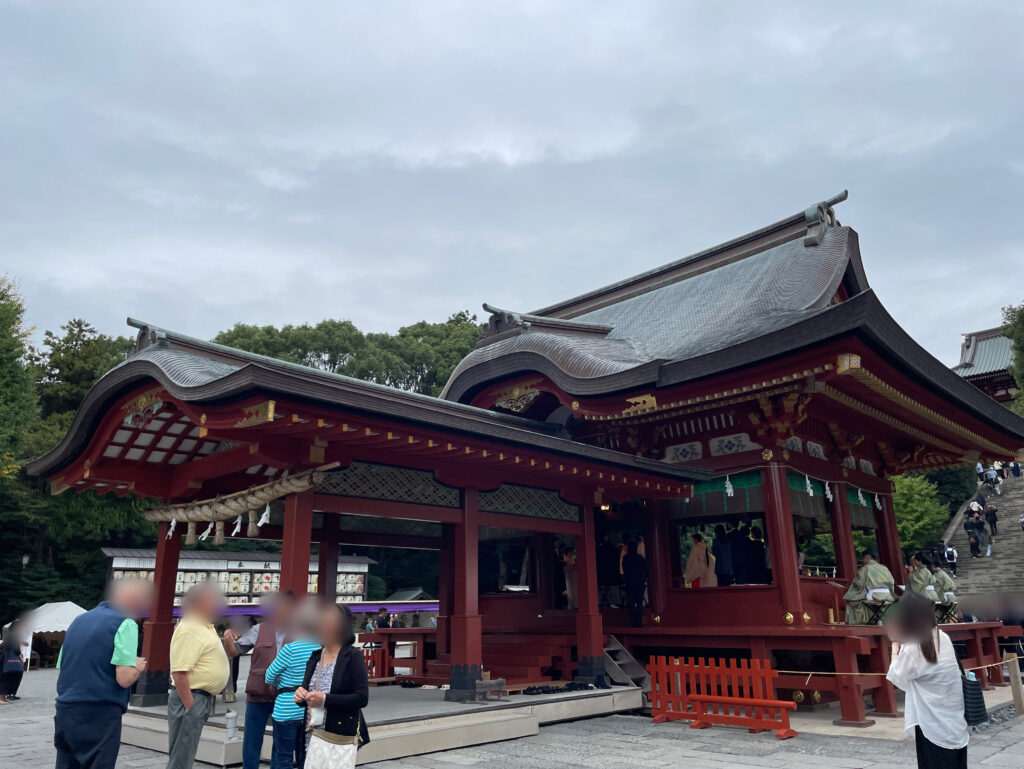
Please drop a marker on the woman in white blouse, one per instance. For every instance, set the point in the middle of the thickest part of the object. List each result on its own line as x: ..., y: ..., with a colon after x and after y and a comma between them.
x: 925, y: 668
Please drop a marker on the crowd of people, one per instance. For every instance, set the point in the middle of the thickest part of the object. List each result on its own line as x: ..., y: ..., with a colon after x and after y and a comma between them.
x: 306, y: 678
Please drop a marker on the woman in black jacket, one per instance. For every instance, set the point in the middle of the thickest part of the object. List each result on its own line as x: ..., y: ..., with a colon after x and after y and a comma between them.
x: 335, y: 681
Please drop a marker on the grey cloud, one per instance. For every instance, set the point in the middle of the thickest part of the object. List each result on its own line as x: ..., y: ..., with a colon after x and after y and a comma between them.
x: 265, y: 162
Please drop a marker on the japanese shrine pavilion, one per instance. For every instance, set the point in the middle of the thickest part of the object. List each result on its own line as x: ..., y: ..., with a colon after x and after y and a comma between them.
x: 760, y: 380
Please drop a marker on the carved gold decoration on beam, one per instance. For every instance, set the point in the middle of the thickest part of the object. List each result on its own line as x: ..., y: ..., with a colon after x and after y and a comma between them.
x: 890, y: 393
x: 259, y: 414
x: 516, y: 397
x: 641, y: 404
x: 881, y: 416
x: 144, y: 400
x: 738, y: 394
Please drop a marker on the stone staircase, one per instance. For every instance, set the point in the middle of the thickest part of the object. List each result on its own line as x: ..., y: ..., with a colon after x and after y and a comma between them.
x: 1004, y: 571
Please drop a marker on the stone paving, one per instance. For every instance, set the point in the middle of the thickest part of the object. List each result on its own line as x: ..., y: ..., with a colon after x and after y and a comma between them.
x: 612, y: 742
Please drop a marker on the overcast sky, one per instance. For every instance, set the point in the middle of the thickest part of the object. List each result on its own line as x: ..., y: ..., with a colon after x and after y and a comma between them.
x: 200, y: 164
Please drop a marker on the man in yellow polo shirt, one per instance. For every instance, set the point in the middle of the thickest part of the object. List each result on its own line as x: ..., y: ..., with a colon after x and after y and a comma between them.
x: 199, y: 670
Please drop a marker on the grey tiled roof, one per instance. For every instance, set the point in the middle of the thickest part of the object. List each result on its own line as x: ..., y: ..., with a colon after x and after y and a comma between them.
x: 184, y: 369
x: 984, y: 352
x: 701, y: 313
x: 742, y: 300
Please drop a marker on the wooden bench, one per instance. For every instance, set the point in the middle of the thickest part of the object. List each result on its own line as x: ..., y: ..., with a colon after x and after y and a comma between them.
x: 726, y: 692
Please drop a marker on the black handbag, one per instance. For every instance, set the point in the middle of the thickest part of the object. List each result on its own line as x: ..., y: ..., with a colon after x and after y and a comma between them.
x: 975, y: 711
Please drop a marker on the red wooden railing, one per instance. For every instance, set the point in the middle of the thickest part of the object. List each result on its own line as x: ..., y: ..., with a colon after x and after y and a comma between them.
x: 377, y: 664
x: 733, y: 692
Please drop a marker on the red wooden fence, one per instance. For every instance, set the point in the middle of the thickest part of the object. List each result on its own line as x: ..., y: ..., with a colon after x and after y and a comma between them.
x: 728, y: 692
x: 377, y: 665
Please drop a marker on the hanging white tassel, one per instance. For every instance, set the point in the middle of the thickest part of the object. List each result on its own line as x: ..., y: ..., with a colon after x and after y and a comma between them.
x: 828, y: 492
x: 238, y: 526
x: 170, y: 529
x: 878, y: 502
x: 265, y: 518
x: 810, y: 488
x: 729, y: 491
x: 207, y: 533
x: 860, y: 498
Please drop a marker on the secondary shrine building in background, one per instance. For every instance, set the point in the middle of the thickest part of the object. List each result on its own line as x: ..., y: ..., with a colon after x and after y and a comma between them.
x: 758, y: 382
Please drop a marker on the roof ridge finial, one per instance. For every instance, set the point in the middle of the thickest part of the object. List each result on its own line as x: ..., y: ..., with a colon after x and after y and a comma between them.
x: 147, y: 337
x: 820, y: 217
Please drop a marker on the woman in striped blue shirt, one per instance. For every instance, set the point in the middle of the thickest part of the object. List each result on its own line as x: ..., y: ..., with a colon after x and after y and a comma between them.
x: 285, y: 673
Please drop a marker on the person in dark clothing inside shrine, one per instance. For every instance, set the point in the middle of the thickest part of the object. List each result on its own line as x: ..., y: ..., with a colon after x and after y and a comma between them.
x: 634, y: 574
x: 738, y: 553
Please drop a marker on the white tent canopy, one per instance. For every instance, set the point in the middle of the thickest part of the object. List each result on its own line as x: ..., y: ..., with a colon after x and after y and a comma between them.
x: 52, y: 617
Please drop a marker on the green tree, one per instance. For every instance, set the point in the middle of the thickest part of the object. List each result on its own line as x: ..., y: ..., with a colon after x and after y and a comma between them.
x: 953, y: 485
x: 19, y: 409
x: 1013, y: 327
x: 330, y: 345
x: 71, y: 362
x: 422, y: 356
x: 419, y: 358
x: 921, y: 516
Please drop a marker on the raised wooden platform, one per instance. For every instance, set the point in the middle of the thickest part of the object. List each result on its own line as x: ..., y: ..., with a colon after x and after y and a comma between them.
x: 405, y: 722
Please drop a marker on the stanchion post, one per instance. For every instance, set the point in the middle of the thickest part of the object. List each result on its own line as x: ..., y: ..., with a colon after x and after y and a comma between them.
x: 1013, y: 666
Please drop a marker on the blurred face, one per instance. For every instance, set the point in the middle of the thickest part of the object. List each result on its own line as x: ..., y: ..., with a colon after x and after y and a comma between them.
x: 208, y: 604
x: 133, y: 597
x: 281, y: 611
x: 330, y: 625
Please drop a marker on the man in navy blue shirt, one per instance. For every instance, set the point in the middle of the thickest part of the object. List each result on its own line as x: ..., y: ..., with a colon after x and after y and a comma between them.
x: 97, y: 669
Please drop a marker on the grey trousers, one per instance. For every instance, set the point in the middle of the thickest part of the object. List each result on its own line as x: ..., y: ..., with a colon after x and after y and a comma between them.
x: 184, y: 729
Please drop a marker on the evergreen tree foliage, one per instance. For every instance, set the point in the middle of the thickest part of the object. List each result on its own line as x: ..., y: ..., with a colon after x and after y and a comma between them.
x: 953, y: 485
x: 418, y: 358
x: 921, y: 515
x: 19, y: 411
x: 1013, y: 327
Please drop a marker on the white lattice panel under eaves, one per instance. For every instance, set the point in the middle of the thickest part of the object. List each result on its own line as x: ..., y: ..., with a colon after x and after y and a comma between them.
x: 395, y: 484
x: 528, y: 501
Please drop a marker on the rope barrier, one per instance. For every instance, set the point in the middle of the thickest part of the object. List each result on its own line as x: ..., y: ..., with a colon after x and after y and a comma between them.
x: 811, y: 674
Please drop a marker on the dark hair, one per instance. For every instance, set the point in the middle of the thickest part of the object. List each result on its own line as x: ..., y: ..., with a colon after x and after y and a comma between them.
x: 631, y: 547
x: 755, y: 532
x: 719, y: 531
x: 916, y: 617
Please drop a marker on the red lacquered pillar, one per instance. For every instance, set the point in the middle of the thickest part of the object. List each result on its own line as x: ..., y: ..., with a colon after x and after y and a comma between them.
x: 159, y: 626
x: 589, y: 625
x: 464, y: 624
x: 295, y: 545
x: 782, y: 541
